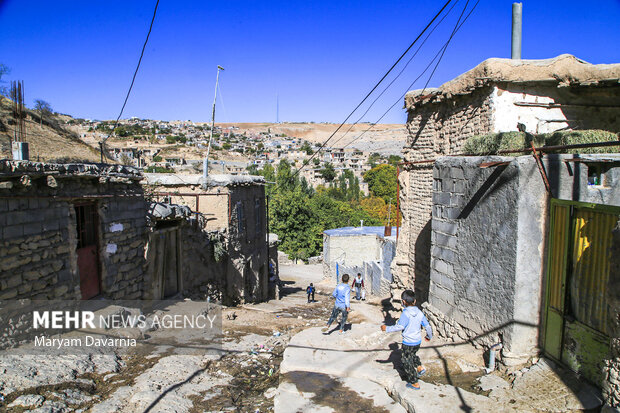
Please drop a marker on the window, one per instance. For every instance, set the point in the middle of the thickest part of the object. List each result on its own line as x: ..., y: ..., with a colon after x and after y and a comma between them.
x: 258, y: 216
x: 240, y: 217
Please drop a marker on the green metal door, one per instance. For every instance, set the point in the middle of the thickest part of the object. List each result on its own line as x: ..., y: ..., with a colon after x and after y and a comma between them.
x: 579, y: 262
x: 556, y: 281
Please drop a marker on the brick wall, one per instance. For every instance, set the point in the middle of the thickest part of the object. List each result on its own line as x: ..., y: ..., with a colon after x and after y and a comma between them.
x: 435, y: 129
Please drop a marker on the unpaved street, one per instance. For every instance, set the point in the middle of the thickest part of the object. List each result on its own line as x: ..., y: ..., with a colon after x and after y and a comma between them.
x: 276, y: 358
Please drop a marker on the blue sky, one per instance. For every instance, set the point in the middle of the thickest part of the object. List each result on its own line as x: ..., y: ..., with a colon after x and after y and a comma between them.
x: 319, y: 57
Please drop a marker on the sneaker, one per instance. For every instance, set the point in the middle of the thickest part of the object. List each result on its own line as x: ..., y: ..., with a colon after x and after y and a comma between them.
x: 421, y: 371
x: 326, y: 328
x: 414, y: 386
x: 341, y: 331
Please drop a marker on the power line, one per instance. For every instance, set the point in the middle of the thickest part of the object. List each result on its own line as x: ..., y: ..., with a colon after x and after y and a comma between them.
x: 135, y: 73
x: 439, y: 54
x: 376, y: 86
x: 397, y: 76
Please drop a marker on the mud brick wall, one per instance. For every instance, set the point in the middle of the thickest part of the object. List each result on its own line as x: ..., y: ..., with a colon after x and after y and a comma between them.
x: 122, y: 224
x: 35, y: 250
x: 203, y: 274
x: 435, y: 129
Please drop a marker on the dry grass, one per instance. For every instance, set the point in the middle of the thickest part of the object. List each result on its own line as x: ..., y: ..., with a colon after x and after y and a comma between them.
x: 48, y: 142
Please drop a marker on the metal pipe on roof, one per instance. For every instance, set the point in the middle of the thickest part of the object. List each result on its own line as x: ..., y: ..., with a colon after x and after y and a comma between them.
x: 517, y: 19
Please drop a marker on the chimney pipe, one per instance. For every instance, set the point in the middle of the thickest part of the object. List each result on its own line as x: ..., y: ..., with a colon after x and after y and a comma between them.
x: 517, y: 14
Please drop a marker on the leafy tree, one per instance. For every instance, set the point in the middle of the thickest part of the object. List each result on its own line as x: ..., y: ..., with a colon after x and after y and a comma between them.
x: 394, y: 160
x: 158, y: 169
x: 157, y: 158
x: 252, y: 169
x: 316, y: 161
x: 328, y: 172
x: 307, y: 148
x: 227, y: 146
x: 44, y: 109
x: 382, y: 181
x: 373, y: 159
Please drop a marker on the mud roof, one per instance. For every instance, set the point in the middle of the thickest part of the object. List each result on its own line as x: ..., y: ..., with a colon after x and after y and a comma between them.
x: 561, y: 71
x: 78, y: 170
x: 197, y: 179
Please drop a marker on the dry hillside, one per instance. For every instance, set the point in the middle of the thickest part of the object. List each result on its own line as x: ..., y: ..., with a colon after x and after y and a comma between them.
x: 384, y: 138
x: 48, y: 142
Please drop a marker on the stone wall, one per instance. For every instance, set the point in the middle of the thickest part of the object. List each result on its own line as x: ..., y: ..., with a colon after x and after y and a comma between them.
x: 38, y: 241
x: 36, y: 258
x: 123, y: 225
x: 611, y: 385
x: 435, y: 129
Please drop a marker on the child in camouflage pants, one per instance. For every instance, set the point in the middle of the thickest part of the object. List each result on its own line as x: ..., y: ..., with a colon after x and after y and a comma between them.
x: 410, y: 323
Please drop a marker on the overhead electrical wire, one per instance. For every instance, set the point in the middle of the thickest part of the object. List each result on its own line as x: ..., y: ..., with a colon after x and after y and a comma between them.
x: 375, y: 86
x: 135, y: 73
x: 439, y: 54
x: 397, y: 76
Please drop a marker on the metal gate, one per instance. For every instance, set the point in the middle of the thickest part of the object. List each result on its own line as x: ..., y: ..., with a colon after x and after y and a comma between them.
x: 575, y: 330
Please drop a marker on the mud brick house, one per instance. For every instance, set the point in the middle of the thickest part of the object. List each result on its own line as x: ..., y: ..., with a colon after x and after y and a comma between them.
x: 231, y: 210
x: 498, y: 256
x: 71, y: 231
x: 498, y: 95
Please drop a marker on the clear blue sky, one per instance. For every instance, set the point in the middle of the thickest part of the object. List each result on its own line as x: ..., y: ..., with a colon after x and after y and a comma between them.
x: 320, y: 57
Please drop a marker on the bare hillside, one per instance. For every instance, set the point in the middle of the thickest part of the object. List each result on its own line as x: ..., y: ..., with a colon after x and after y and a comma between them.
x: 383, y: 138
x: 48, y: 142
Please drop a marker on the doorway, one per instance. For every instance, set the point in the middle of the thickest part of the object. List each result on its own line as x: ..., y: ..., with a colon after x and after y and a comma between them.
x: 87, y: 249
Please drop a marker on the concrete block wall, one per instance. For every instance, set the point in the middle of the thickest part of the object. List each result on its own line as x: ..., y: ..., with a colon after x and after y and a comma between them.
x: 36, y: 259
x: 474, y: 231
x: 435, y: 129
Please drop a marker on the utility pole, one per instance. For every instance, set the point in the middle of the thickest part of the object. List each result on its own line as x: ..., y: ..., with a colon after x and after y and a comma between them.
x: 205, y: 165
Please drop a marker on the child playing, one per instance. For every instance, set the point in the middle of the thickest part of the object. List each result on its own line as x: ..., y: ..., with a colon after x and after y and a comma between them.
x: 310, y: 291
x: 411, y: 322
x: 342, y: 293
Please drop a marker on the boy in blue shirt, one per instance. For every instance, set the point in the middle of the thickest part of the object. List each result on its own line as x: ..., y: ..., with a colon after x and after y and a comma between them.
x: 410, y: 323
x: 342, y: 293
x: 310, y: 291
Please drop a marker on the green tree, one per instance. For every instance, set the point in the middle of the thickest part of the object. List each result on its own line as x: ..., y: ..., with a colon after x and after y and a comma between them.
x: 328, y: 172
x: 157, y: 158
x: 394, y: 160
x: 307, y: 148
x: 382, y: 181
x: 373, y: 159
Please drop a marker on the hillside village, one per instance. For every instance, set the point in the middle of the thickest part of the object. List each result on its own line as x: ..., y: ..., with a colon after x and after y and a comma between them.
x: 467, y: 260
x: 180, y: 146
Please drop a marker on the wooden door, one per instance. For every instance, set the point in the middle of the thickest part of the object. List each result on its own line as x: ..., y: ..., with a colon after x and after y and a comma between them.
x: 87, y: 250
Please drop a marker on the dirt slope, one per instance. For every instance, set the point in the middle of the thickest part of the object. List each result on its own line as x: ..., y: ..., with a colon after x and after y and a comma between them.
x: 49, y: 142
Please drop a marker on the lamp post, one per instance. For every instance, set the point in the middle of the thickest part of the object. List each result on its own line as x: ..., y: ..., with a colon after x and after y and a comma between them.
x: 205, y: 166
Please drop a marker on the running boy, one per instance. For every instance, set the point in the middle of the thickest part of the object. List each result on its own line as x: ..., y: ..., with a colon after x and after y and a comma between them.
x: 410, y: 323
x: 342, y: 293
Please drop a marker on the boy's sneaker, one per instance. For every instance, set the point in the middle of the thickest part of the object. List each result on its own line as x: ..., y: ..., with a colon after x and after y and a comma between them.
x: 414, y: 386
x: 341, y: 331
x: 421, y: 371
